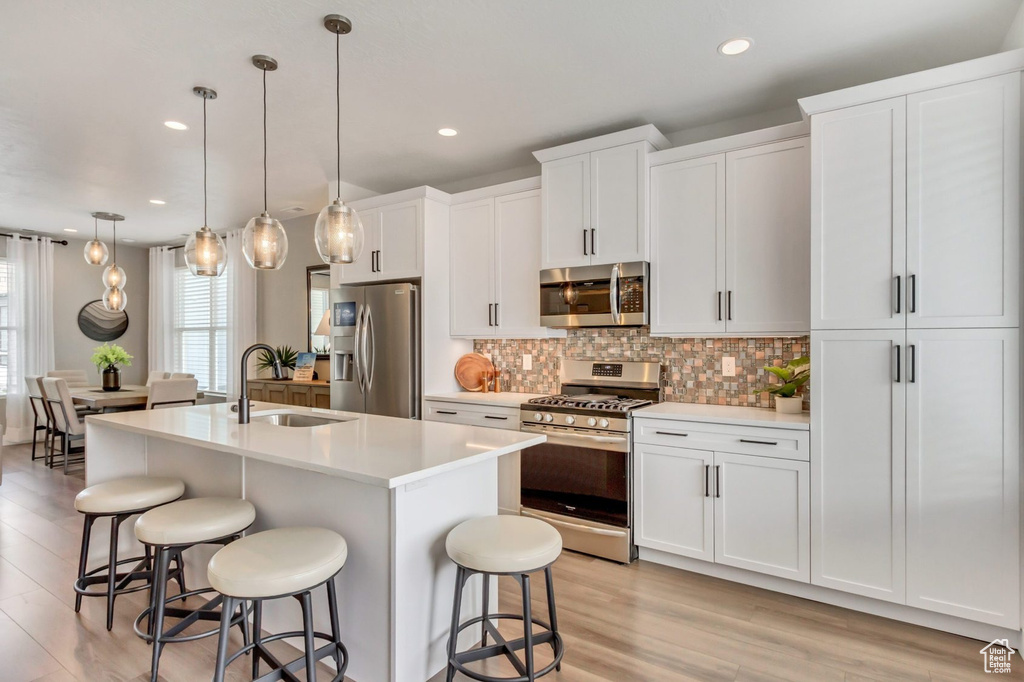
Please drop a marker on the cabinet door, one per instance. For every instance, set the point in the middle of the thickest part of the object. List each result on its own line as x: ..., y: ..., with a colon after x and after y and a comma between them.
x: 963, y: 205
x: 674, y: 509
x: 322, y: 397
x: 858, y: 216
x: 401, y: 241
x: 565, y: 232
x: 255, y: 391
x: 963, y: 454
x: 472, y: 269
x: 517, y: 218
x: 767, y: 238
x: 618, y: 200
x: 298, y: 395
x: 761, y: 515
x: 858, y: 462
x: 688, y: 247
x: 274, y: 392
x: 361, y: 270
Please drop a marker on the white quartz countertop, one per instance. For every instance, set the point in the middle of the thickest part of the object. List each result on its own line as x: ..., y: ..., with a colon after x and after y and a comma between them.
x: 726, y: 414
x: 503, y: 399
x: 381, y: 451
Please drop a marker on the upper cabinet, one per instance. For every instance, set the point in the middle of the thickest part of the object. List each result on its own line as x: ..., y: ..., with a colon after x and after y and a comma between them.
x: 495, y: 263
x: 392, y: 247
x: 730, y: 236
x: 916, y: 210
x: 594, y: 203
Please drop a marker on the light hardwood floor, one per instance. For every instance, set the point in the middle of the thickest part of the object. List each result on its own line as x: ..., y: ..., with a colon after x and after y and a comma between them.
x: 637, y: 622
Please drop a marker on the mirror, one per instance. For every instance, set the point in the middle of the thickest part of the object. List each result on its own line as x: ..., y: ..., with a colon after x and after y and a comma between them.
x: 318, y: 296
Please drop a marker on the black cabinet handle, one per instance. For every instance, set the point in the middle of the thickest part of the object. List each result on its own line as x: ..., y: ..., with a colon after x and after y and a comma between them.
x: 490, y: 314
x: 718, y: 480
x: 759, y: 442
x: 670, y: 433
x: 728, y: 305
x: 497, y: 315
x: 491, y: 416
x: 912, y: 362
x: 719, y: 306
x: 585, y: 242
x: 912, y: 285
x: 899, y: 292
x: 445, y: 412
x: 707, y: 480
x: 898, y: 349
x: 593, y: 242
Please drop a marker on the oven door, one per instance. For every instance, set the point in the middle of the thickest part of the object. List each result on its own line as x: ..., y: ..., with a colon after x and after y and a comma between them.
x: 580, y: 484
x: 594, y: 296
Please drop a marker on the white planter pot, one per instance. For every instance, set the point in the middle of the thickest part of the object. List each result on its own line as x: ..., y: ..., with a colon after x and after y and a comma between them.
x: 794, y: 405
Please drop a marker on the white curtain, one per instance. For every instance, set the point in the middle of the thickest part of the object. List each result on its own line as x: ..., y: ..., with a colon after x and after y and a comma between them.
x: 161, y: 309
x: 29, y: 269
x: 241, y: 312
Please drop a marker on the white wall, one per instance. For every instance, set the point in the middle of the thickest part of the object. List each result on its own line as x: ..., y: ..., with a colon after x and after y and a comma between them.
x: 1015, y: 36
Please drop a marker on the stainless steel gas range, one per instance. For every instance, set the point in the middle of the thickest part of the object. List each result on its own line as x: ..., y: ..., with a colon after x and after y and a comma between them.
x: 579, y: 481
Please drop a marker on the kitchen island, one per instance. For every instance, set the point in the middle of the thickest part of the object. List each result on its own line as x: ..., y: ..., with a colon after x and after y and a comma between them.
x: 392, y: 487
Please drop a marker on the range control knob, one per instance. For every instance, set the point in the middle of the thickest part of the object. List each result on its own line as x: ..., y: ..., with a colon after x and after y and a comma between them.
x: 570, y: 420
x: 604, y: 423
x: 591, y: 422
x: 537, y: 416
x: 549, y: 418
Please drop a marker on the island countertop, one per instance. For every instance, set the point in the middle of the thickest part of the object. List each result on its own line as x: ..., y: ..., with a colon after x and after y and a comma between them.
x: 381, y: 451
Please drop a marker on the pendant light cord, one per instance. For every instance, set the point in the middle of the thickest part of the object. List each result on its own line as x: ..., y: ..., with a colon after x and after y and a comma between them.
x: 205, y: 223
x: 96, y: 229
x: 337, y: 90
x: 114, y: 223
x: 265, y: 141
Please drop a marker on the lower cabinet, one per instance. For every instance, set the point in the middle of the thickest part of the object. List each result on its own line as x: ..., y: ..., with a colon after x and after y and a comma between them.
x: 305, y: 394
x: 743, y: 510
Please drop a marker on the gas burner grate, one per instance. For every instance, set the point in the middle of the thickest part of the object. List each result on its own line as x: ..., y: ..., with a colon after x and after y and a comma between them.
x: 605, y: 404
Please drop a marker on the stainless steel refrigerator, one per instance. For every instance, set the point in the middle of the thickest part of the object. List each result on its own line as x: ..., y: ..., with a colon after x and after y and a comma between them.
x: 375, y: 349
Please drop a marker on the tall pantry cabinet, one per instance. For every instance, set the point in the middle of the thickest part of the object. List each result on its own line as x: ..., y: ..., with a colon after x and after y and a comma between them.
x: 915, y: 313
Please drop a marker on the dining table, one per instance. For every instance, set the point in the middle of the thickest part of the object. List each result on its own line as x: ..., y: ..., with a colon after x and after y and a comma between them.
x: 128, y: 397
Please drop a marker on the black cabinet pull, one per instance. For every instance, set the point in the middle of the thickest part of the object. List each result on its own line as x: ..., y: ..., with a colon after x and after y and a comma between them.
x: 899, y: 292
x: 491, y: 416
x: 707, y: 480
x: 445, y: 412
x: 898, y: 349
x: 490, y: 314
x: 497, y: 315
x: 912, y: 362
x: 670, y: 433
x: 728, y: 305
x: 718, y: 480
x: 719, y: 306
x: 912, y: 286
x: 593, y: 242
x: 759, y: 442
x: 585, y: 242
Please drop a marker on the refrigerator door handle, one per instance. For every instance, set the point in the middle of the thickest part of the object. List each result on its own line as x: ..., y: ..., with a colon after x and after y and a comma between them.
x: 369, y: 338
x: 357, y: 358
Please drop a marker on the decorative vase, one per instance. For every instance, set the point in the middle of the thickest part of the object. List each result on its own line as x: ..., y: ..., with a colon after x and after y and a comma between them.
x: 112, y: 379
x: 794, y: 405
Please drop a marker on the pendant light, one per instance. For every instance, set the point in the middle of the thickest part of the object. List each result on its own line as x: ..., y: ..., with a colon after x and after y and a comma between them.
x: 95, y: 250
x: 114, y: 278
x: 338, y: 231
x: 205, y: 254
x: 264, y: 241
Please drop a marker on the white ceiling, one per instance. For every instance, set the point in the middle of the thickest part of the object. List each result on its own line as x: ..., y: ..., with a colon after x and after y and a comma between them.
x: 86, y: 86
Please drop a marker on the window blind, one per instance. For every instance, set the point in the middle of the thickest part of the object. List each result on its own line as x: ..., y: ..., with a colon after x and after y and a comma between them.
x: 200, y: 328
x: 4, y: 325
x: 319, y: 300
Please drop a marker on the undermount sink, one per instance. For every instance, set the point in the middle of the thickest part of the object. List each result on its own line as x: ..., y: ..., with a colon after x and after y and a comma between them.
x: 297, y: 420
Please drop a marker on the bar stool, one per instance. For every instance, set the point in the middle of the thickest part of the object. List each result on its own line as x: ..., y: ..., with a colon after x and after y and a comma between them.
x: 504, y: 545
x: 168, y: 531
x: 284, y: 562
x: 120, y: 499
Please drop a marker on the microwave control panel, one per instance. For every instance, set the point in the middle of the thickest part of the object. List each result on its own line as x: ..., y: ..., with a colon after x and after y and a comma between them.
x: 631, y: 295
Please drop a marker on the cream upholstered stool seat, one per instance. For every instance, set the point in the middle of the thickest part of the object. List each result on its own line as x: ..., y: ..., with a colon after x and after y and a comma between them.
x: 504, y: 545
x: 121, y: 499
x: 168, y: 531
x: 279, y: 563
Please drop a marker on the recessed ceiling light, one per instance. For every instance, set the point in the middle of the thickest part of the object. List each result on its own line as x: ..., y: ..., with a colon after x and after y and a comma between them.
x: 448, y: 132
x: 126, y: 239
x: 158, y: 202
x: 735, y: 46
x: 70, y: 229
x: 175, y: 125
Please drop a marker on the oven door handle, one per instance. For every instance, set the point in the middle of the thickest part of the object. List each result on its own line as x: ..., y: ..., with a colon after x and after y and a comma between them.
x: 621, y: 442
x: 576, y: 526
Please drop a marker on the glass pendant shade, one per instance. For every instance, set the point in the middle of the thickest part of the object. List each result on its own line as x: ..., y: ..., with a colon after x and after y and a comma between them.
x: 115, y: 299
x: 265, y: 243
x: 339, y: 233
x: 114, y: 276
x: 96, y: 252
x: 205, y: 254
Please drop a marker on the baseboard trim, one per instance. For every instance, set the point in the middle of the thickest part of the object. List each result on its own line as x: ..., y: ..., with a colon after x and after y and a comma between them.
x: 900, y: 612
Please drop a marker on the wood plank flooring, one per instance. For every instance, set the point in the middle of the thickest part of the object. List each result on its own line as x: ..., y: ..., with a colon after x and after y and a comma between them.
x: 619, y: 623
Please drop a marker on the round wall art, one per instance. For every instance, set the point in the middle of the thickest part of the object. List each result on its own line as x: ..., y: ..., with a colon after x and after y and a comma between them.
x: 100, y: 324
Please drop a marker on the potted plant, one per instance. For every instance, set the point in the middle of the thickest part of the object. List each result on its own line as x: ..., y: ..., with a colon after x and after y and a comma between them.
x: 285, y: 354
x: 108, y: 360
x: 795, y: 374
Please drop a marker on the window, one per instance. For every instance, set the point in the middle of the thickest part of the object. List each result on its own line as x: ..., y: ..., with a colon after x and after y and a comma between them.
x: 319, y: 301
x: 200, y: 328
x: 5, y: 331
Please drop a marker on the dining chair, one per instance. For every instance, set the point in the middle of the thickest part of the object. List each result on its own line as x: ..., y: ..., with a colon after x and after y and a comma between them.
x: 75, y: 378
x: 157, y: 376
x: 182, y: 375
x: 68, y: 425
x: 41, y: 420
x: 172, y: 393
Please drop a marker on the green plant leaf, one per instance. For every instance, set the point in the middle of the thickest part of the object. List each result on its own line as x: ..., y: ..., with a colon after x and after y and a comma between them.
x: 781, y: 372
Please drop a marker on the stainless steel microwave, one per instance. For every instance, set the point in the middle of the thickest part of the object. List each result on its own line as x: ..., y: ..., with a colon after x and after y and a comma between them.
x: 595, y: 296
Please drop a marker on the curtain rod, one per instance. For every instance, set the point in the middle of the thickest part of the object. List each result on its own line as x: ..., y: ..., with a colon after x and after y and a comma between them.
x: 62, y: 242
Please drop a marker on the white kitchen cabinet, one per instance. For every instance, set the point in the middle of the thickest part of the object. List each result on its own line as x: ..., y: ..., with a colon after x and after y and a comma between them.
x: 676, y: 512
x: 963, y: 473
x: 963, y: 205
x: 618, y: 200
x: 761, y: 515
x: 858, y: 458
x: 495, y: 267
x: 565, y: 240
x: 858, y: 216
x: 688, y: 247
x: 392, y: 246
x: 767, y: 238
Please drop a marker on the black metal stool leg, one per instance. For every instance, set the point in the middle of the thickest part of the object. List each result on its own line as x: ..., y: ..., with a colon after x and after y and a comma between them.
x: 227, y: 609
x: 159, y: 590
x: 453, y: 638
x: 257, y: 635
x: 487, y: 605
x: 332, y: 609
x: 115, y: 527
x: 550, y: 584
x: 307, y: 630
x: 524, y: 580
x: 83, y: 558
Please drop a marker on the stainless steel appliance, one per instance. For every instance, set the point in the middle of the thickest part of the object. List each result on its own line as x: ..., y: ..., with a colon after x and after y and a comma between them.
x: 595, y: 296
x: 375, y: 349
x: 579, y: 481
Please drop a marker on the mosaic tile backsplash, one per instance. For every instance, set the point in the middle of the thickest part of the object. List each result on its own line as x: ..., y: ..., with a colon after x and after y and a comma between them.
x: 692, y: 366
